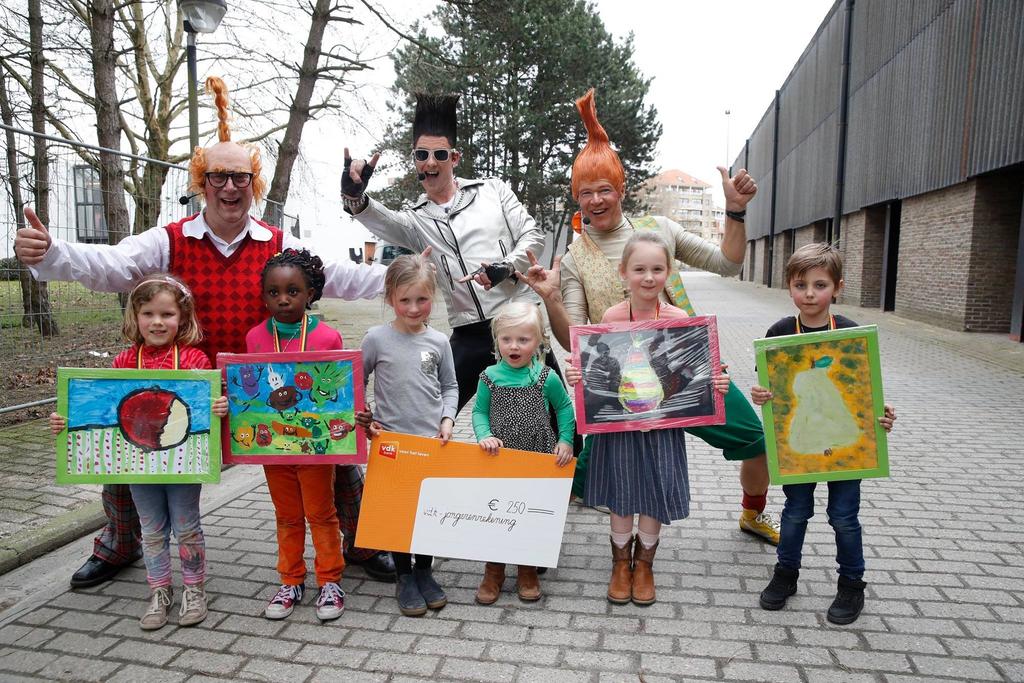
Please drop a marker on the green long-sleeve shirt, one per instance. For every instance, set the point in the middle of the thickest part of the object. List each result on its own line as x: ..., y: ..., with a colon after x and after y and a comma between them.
x: 505, y: 375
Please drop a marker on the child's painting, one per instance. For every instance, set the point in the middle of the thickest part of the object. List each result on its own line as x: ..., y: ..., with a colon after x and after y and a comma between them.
x: 138, y: 426
x: 652, y: 374
x: 293, y: 408
x: 822, y: 422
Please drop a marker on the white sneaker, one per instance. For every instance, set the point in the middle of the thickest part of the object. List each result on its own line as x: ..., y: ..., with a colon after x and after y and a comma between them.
x: 193, y: 605
x: 284, y: 602
x: 156, y: 616
x: 331, y: 602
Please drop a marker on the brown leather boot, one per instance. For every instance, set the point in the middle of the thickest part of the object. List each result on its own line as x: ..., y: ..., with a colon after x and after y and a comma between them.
x: 490, y: 587
x: 622, y: 574
x: 527, y: 584
x: 643, y: 575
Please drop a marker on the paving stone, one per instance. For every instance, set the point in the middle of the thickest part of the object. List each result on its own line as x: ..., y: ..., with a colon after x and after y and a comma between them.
x: 332, y: 675
x: 953, y: 667
x: 327, y: 655
x: 677, y: 666
x: 468, y: 669
x: 423, y: 665
x: 78, y: 668
x: 145, y: 674
x: 536, y: 674
x: 271, y: 670
x: 455, y: 647
x: 144, y: 653
x: 760, y: 672
x: 208, y: 662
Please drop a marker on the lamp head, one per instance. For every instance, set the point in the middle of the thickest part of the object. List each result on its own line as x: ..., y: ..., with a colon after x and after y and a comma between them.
x: 203, y: 16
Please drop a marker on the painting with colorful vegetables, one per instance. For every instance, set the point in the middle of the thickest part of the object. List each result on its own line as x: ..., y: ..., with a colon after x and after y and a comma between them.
x: 138, y: 426
x: 296, y: 408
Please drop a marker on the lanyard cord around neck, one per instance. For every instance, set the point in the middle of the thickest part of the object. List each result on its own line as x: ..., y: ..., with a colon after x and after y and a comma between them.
x: 302, y: 336
x: 831, y: 323
x: 657, y: 311
x: 138, y: 358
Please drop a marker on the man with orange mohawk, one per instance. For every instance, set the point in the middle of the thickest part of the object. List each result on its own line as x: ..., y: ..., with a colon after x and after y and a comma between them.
x: 585, y: 283
x: 219, y: 253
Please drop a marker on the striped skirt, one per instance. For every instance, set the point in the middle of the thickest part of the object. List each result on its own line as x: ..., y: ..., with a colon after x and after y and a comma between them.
x: 640, y: 473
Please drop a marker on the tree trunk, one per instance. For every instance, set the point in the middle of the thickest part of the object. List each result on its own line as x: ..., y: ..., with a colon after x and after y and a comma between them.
x: 108, y: 125
x: 288, y: 150
x: 34, y: 294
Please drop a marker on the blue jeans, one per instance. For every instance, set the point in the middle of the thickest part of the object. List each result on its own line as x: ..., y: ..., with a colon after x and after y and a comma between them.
x: 843, y: 506
x: 163, y: 507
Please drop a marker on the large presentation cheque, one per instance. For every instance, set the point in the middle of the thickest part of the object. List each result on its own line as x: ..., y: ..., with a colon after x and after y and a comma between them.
x: 456, y: 501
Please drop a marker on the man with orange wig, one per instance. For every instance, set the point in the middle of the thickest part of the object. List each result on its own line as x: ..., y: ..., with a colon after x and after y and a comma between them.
x: 219, y: 253
x: 585, y: 283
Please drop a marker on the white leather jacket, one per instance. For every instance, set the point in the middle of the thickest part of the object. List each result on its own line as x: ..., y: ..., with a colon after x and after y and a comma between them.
x: 486, y: 222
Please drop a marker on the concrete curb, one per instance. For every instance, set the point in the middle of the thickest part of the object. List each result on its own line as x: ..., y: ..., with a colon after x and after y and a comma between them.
x: 23, y: 547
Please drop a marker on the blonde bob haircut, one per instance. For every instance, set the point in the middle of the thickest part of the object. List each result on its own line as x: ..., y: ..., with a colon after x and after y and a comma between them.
x: 198, y: 165
x: 516, y: 314
x: 189, y: 332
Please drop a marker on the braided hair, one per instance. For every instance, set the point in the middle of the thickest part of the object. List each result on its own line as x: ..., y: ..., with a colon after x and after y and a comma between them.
x: 311, y: 265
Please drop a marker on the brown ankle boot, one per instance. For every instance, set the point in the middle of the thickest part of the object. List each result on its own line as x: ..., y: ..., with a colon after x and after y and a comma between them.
x: 622, y: 575
x: 490, y: 587
x: 643, y: 575
x: 527, y: 584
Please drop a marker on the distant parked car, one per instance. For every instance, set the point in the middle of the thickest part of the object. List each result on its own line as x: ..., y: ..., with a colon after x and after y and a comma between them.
x: 389, y: 252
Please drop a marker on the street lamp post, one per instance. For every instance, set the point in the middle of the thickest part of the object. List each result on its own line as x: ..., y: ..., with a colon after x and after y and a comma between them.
x: 728, y: 160
x: 200, y: 16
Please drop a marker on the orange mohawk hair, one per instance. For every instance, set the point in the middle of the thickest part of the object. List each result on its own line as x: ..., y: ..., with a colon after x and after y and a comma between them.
x: 197, y: 167
x: 597, y: 160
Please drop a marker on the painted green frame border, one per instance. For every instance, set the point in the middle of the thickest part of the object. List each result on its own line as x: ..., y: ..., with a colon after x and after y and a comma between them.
x: 867, y: 332
x: 65, y: 375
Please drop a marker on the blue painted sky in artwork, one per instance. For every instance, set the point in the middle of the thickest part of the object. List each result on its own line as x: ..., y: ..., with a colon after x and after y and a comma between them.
x: 95, y: 401
x: 258, y: 388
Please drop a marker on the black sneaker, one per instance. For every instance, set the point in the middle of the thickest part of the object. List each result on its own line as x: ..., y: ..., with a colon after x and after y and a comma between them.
x: 848, y: 603
x: 410, y: 600
x: 782, y: 585
x: 432, y: 593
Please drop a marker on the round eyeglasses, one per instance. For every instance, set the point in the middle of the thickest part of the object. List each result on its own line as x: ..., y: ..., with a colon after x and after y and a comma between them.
x: 238, y: 179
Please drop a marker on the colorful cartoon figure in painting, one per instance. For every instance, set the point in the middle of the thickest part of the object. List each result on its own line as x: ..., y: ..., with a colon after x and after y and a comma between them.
x: 639, y: 389
x: 327, y: 380
x: 815, y: 276
x: 416, y: 392
x: 515, y: 400
x: 161, y: 324
x: 302, y: 494
x: 250, y: 379
x: 640, y: 473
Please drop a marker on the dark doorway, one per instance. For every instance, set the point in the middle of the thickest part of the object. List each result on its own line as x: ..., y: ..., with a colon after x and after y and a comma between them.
x: 1017, y: 312
x: 890, y: 255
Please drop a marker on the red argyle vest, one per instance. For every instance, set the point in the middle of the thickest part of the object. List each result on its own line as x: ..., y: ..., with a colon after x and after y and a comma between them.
x: 226, y: 288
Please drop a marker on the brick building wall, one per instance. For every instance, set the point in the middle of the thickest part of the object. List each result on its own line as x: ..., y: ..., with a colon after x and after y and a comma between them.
x: 990, y: 279
x: 862, y: 240
x: 935, y: 255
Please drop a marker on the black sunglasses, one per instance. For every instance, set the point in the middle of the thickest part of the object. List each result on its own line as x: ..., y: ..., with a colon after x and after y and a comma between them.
x: 421, y: 154
x: 219, y: 179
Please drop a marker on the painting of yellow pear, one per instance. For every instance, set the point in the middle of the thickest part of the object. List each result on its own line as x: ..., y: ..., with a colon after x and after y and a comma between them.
x: 822, y: 422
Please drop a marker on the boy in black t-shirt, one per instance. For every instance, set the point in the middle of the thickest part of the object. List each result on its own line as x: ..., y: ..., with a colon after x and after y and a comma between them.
x: 815, y: 276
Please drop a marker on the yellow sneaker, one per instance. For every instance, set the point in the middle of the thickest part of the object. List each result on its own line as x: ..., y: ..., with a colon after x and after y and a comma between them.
x: 760, y: 524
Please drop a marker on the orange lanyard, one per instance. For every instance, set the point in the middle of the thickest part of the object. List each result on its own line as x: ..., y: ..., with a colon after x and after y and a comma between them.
x: 302, y: 336
x: 831, y: 323
x: 138, y: 358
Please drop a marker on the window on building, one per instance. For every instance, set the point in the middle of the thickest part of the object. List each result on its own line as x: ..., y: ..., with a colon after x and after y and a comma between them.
x: 90, y: 225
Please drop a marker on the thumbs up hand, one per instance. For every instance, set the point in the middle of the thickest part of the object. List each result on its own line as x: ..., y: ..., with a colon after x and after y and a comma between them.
x: 31, y: 243
x: 738, y: 190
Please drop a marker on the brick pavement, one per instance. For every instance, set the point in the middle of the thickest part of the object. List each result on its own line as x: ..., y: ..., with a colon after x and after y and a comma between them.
x: 945, y: 595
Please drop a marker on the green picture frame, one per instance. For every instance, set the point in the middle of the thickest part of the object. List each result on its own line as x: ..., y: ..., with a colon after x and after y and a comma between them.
x: 822, y: 422
x: 127, y: 426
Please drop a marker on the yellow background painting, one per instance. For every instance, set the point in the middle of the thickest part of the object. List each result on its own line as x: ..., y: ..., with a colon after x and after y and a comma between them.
x: 850, y: 373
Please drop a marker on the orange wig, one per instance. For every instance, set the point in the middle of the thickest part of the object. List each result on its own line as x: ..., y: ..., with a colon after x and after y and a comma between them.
x: 597, y: 160
x: 197, y: 167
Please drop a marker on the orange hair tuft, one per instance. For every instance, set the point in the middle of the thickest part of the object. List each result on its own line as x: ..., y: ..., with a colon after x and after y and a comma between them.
x: 597, y: 160
x: 197, y: 166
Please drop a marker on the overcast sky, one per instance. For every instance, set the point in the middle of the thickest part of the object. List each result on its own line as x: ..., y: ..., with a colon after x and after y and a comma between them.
x: 705, y: 57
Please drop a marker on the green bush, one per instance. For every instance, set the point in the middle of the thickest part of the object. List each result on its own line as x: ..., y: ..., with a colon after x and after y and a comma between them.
x: 9, y: 268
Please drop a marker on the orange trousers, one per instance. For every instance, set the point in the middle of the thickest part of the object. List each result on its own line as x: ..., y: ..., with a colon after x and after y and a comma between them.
x: 304, y: 493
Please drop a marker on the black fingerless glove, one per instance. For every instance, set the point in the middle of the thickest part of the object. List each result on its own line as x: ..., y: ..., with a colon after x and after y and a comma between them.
x: 349, y: 187
x: 499, y: 272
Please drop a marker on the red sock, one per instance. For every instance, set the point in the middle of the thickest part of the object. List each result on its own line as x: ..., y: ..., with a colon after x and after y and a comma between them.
x: 755, y: 502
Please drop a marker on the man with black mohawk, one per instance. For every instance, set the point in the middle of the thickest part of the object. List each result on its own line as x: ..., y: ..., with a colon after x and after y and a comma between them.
x: 479, y: 231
